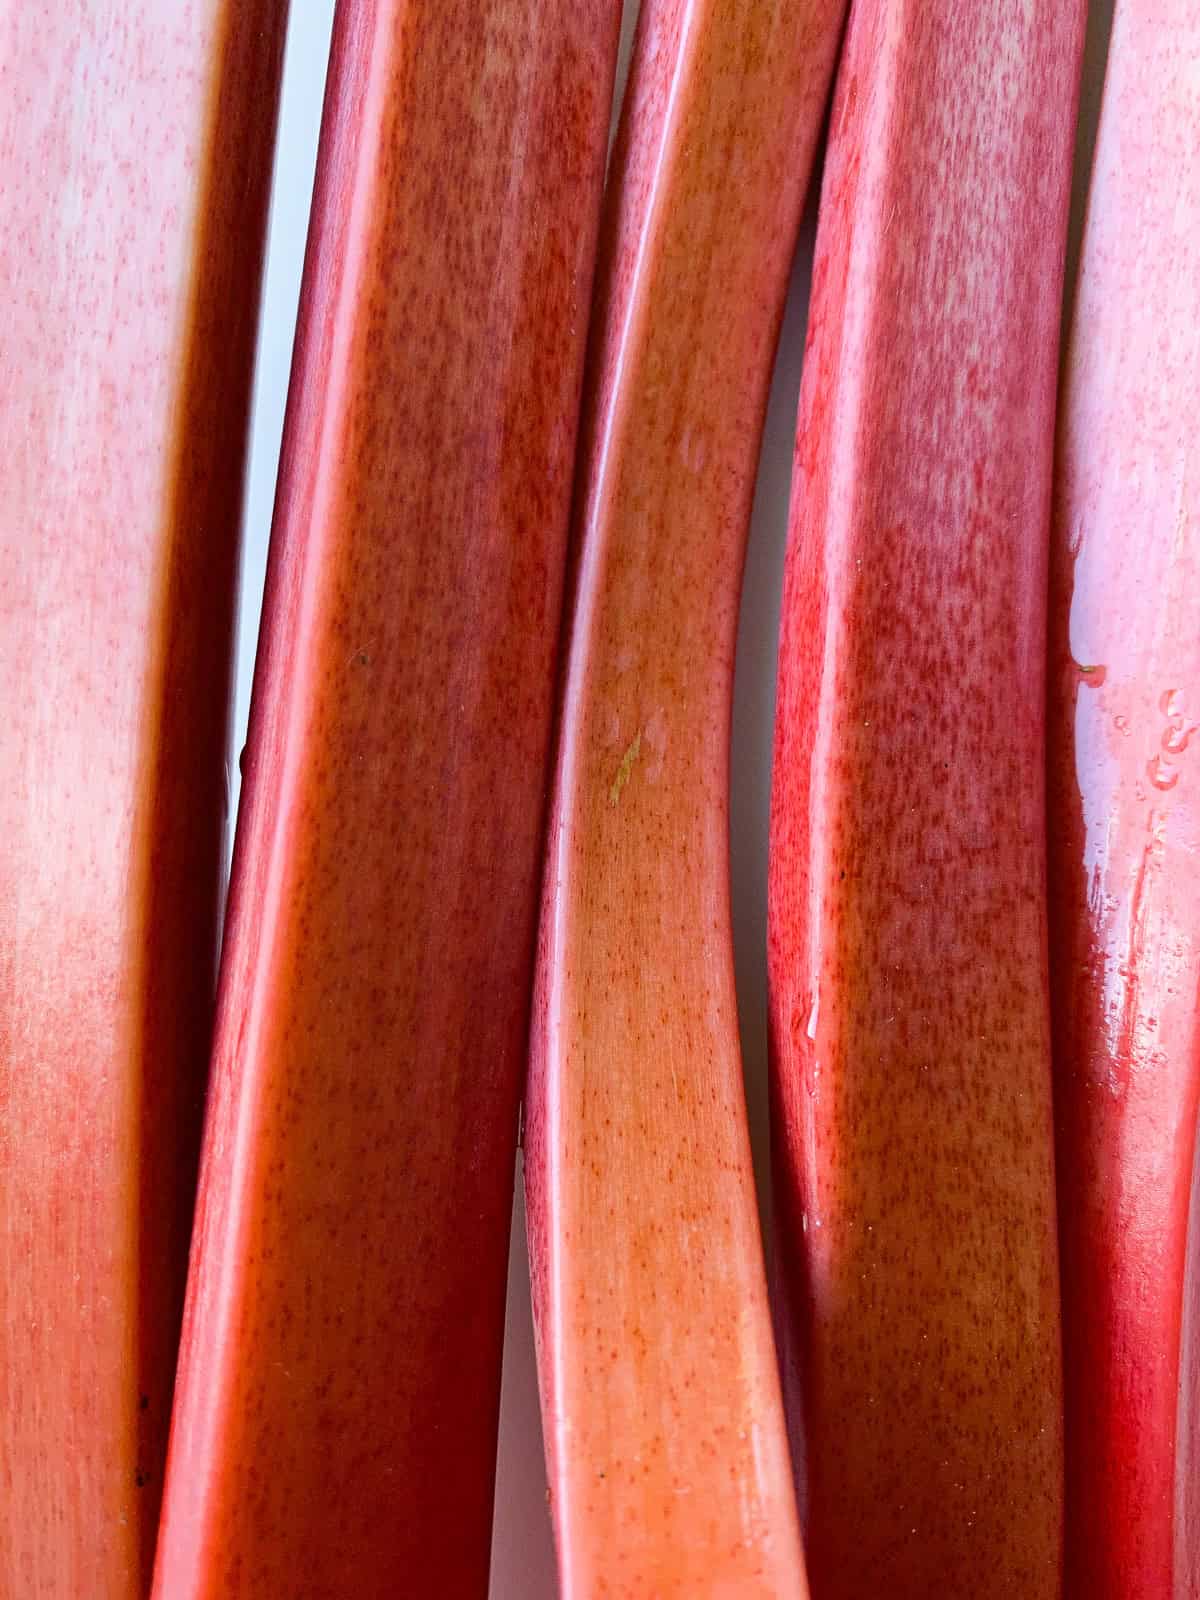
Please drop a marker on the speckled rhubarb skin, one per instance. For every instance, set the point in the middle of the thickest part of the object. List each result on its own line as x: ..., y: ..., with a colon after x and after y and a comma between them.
x: 909, y: 1003
x: 135, y: 159
x: 1124, y: 812
x: 667, y: 1446
x: 335, y: 1425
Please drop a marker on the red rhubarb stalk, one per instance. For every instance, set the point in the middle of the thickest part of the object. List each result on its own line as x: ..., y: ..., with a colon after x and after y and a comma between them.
x: 667, y: 1449
x: 335, y: 1427
x: 909, y: 988
x: 135, y: 158
x: 1125, y: 822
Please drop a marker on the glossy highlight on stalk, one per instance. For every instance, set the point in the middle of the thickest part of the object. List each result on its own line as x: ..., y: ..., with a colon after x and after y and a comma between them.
x: 909, y: 1005
x: 335, y: 1422
x: 668, y: 1460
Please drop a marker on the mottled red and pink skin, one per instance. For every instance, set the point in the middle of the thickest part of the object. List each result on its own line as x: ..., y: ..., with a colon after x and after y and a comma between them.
x: 909, y: 1001
x: 1124, y: 810
x: 135, y: 160
x: 667, y: 1447
x: 335, y: 1426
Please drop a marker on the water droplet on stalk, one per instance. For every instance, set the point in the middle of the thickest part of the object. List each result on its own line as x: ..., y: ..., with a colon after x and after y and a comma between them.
x: 1161, y: 775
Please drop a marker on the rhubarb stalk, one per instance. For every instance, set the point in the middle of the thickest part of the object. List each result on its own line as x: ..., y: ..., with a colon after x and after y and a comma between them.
x: 335, y: 1427
x: 909, y: 1000
x: 135, y: 159
x: 1125, y: 823
x: 667, y: 1450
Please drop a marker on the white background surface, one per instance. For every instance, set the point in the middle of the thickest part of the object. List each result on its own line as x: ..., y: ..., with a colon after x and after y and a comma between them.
x: 522, y: 1556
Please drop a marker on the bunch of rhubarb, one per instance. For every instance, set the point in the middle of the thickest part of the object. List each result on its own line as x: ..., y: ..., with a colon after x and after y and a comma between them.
x: 909, y: 1003
x: 135, y: 159
x: 984, y: 993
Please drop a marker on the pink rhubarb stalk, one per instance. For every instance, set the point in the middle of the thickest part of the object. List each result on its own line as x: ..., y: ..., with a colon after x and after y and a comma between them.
x: 667, y: 1450
x: 909, y: 990
x: 135, y: 160
x: 335, y: 1426
x: 1125, y: 824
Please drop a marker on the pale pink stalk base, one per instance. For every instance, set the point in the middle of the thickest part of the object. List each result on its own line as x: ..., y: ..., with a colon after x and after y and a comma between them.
x: 667, y: 1451
x: 135, y: 155
x: 1125, y: 823
x: 909, y: 994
